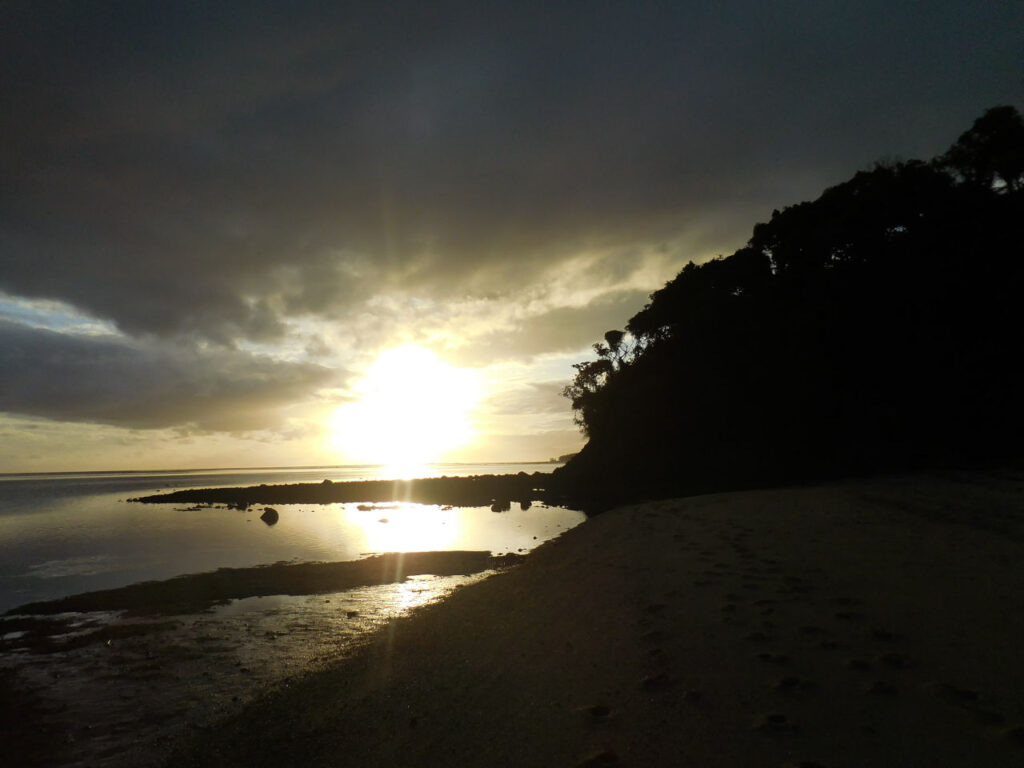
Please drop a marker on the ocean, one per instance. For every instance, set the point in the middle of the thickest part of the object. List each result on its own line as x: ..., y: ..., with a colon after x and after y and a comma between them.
x: 68, y: 533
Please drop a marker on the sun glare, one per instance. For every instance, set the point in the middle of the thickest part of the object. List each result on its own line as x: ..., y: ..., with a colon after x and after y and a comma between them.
x: 407, y: 528
x: 412, y: 408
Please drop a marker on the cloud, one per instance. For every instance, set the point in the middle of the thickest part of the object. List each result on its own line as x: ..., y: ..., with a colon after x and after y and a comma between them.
x: 543, y: 397
x: 201, y: 198
x: 215, y: 170
x: 32, y: 444
x: 558, y: 330
x: 113, y: 381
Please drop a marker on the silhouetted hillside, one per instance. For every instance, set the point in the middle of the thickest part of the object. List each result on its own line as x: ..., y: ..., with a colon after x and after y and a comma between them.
x: 876, y: 328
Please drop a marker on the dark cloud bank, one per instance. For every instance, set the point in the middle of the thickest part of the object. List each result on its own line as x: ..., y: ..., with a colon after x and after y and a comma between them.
x: 110, y: 381
x: 209, y: 170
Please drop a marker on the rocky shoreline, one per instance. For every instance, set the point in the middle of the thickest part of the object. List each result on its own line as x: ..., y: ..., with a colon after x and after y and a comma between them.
x: 496, y: 491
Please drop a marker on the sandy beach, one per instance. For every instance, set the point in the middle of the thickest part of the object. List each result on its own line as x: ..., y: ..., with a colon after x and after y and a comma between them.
x: 873, y: 623
x: 876, y: 622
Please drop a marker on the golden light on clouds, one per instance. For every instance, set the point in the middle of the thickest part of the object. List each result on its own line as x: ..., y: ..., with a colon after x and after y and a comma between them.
x: 412, y: 408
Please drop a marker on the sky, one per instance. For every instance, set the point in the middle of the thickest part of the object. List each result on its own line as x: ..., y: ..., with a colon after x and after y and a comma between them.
x: 230, y: 231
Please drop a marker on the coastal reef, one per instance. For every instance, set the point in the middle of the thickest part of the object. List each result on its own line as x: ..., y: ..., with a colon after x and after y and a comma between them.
x: 495, y: 491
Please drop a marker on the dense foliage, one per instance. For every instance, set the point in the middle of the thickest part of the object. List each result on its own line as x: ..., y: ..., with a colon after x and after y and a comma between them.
x: 878, y: 327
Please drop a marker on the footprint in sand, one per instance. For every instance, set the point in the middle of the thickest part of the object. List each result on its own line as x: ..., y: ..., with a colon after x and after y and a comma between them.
x: 773, y: 658
x: 655, y: 636
x: 658, y: 654
x: 656, y: 682
x: 774, y: 721
x: 988, y: 717
x: 880, y: 688
x: 953, y: 694
x: 883, y: 635
x: 849, y: 616
x: 794, y: 587
x: 810, y: 629
x: 596, y: 713
x: 846, y: 601
x: 1015, y: 734
x: 794, y: 684
x: 895, y: 660
x: 599, y: 759
x: 969, y: 701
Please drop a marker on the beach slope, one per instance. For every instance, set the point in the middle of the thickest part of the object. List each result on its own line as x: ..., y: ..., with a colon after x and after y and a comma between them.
x: 871, y: 623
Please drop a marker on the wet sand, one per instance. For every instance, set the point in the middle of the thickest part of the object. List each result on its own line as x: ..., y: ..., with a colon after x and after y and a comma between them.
x: 873, y: 623
x: 198, y: 592
x: 104, y: 689
x: 113, y: 677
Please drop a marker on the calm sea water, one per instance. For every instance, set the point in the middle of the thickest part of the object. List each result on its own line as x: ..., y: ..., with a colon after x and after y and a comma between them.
x: 62, y: 534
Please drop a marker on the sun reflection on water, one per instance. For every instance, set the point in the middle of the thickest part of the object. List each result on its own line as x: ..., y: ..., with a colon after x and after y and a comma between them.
x: 420, y: 590
x: 406, y: 527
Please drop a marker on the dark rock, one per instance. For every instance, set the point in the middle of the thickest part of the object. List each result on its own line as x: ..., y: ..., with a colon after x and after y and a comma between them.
x: 269, y: 516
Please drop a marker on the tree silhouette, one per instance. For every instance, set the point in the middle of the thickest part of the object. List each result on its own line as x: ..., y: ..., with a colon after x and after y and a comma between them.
x: 877, y: 327
x: 991, y: 151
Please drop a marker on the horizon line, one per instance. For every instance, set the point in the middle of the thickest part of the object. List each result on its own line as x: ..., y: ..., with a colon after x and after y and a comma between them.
x: 184, y: 470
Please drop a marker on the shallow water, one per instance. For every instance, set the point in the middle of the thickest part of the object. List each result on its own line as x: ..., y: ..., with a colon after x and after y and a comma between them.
x: 71, y: 533
x: 123, y: 702
x: 123, y: 695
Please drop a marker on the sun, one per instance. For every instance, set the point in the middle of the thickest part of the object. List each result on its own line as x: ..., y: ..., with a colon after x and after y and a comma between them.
x: 412, y: 408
